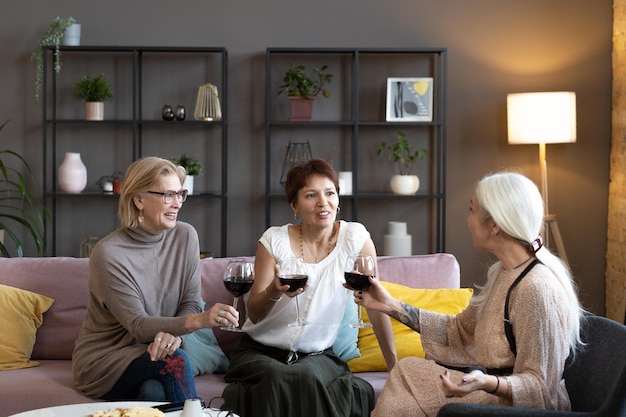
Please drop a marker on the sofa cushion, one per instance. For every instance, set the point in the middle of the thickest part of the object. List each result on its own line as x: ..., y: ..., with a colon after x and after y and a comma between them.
x: 345, y: 345
x: 408, y: 341
x: 205, y: 354
x: 53, y: 277
x: 21, y: 314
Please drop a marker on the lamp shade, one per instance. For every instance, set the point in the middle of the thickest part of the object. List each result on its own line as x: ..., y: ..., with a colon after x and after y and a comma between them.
x: 541, y: 117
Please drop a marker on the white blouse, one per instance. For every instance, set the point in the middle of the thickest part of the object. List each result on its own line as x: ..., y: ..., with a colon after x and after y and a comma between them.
x: 322, y: 304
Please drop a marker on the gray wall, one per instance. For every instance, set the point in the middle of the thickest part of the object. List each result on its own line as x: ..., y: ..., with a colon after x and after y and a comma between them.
x: 495, y: 47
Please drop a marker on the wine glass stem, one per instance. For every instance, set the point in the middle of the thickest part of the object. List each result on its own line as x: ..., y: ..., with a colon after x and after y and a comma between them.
x: 235, y: 307
x: 360, y: 314
x: 297, y: 310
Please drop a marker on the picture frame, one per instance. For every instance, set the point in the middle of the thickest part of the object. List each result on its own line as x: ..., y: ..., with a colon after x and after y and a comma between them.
x: 409, y: 99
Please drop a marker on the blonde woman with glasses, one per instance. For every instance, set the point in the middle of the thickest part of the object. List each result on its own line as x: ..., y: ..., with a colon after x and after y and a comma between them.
x: 144, y: 295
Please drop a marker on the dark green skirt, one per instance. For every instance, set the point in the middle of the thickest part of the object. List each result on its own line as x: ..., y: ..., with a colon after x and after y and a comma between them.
x: 262, y: 384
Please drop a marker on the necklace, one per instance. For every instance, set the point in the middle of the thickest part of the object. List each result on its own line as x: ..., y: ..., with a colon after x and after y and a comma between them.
x: 315, y: 255
x: 527, y: 259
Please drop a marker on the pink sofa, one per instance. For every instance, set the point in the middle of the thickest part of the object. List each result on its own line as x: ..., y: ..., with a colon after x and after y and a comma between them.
x: 65, y: 280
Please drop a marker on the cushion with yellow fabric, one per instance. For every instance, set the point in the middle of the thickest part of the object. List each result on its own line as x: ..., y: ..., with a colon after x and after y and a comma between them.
x: 408, y: 342
x: 21, y: 314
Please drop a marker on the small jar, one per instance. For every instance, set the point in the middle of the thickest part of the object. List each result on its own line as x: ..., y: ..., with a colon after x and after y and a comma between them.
x: 167, y: 113
x: 180, y: 112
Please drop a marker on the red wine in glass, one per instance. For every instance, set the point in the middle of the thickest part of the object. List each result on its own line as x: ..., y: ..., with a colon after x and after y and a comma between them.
x: 295, y: 282
x: 235, y: 287
x: 358, y: 281
x: 238, y: 279
x: 356, y: 273
x: 292, y: 273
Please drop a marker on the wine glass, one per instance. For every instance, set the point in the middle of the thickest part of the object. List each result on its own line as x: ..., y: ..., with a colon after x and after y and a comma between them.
x: 292, y: 273
x: 357, y: 272
x: 238, y: 279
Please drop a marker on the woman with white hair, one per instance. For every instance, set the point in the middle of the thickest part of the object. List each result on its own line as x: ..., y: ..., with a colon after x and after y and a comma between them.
x: 510, y: 345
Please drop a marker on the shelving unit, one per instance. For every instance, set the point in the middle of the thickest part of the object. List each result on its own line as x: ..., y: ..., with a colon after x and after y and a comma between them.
x: 144, y: 79
x: 346, y: 128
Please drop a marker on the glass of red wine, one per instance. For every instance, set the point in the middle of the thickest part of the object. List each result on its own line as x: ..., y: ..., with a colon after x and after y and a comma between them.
x: 238, y: 279
x: 357, y: 272
x: 292, y: 273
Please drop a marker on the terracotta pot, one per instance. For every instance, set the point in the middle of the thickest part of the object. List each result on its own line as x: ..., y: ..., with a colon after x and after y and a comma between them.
x: 301, y: 109
x: 117, y: 186
x: 94, y: 110
x: 404, y: 184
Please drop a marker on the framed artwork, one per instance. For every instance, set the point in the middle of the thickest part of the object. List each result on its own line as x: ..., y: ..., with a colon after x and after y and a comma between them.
x: 409, y: 99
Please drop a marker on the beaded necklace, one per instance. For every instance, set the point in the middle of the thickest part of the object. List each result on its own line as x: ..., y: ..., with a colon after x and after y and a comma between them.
x: 315, y: 255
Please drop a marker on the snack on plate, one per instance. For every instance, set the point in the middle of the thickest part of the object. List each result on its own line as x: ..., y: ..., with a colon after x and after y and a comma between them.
x: 129, y: 412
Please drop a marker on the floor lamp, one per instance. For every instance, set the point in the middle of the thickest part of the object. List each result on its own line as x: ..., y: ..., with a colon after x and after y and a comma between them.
x: 541, y: 118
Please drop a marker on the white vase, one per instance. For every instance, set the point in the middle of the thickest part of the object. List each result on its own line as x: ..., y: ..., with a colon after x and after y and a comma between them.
x: 188, y: 184
x: 72, y: 174
x: 404, y: 184
x: 71, y: 37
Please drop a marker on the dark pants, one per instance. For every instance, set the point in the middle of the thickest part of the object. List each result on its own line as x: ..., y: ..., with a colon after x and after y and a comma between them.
x: 138, y: 381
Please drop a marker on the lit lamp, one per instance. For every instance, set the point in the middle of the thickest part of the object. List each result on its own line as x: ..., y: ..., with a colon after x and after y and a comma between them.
x: 540, y: 118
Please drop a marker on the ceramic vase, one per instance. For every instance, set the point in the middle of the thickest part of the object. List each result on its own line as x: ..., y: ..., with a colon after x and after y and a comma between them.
x: 72, y: 174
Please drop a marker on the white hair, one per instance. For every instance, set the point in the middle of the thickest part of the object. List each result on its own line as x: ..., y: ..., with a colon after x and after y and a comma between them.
x: 515, y: 205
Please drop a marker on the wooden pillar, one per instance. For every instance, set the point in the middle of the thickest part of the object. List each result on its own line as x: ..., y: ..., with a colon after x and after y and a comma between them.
x: 615, y: 293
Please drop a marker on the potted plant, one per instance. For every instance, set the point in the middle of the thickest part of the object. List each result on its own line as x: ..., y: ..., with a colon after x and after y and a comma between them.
x: 94, y: 91
x: 192, y: 166
x: 302, y: 90
x: 18, y: 207
x: 402, y: 154
x: 52, y: 36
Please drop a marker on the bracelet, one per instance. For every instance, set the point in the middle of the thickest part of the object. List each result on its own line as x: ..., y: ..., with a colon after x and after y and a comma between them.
x: 497, y: 386
x: 271, y: 298
x: 508, y: 386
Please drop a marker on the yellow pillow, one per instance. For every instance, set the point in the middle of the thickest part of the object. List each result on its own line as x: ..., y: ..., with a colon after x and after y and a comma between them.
x: 408, y: 342
x: 21, y: 314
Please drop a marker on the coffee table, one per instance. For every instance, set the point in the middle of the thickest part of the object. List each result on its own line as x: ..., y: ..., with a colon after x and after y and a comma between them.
x: 81, y: 410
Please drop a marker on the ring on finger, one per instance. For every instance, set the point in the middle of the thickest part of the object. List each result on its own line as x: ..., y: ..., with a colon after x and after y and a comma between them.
x: 218, y: 319
x: 221, y: 313
x: 158, y: 339
x: 168, y: 345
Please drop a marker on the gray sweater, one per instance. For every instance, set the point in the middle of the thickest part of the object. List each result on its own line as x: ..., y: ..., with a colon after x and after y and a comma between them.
x: 140, y: 283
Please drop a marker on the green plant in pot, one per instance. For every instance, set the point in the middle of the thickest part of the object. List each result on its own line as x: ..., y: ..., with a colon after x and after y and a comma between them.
x: 94, y: 91
x: 52, y: 36
x: 192, y: 166
x: 302, y: 89
x: 19, y: 209
x: 402, y: 154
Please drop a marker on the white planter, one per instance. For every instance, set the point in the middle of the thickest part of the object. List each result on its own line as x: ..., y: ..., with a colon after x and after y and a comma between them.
x: 404, y: 184
x: 188, y: 184
x: 94, y: 110
x: 72, y: 174
x: 71, y: 37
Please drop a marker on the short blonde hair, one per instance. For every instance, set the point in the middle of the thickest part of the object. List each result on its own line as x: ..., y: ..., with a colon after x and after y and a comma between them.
x: 141, y: 175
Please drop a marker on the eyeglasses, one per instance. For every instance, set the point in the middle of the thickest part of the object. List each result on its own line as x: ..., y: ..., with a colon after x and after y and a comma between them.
x: 168, y: 196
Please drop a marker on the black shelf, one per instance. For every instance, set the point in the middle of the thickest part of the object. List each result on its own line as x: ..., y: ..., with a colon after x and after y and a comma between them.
x: 134, y: 129
x: 354, y: 119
